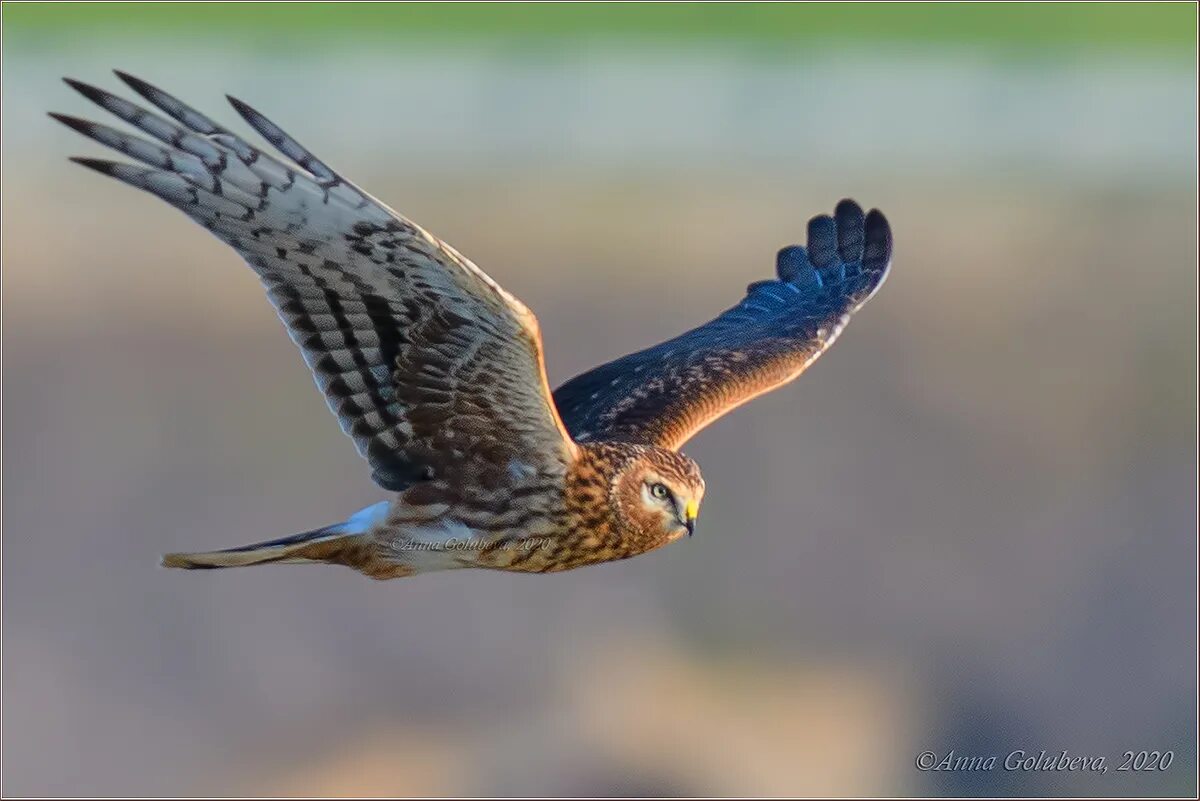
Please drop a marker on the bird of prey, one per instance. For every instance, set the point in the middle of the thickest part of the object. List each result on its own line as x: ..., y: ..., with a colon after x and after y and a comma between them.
x: 437, y: 374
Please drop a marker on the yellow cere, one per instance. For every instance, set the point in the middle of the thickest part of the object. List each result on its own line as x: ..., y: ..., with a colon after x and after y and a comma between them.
x: 692, y: 509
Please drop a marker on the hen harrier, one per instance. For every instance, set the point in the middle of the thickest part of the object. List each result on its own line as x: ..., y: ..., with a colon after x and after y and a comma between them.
x: 437, y: 373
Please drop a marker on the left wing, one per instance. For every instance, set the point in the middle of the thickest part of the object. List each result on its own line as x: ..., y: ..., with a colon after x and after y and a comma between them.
x: 433, y: 369
x: 665, y: 394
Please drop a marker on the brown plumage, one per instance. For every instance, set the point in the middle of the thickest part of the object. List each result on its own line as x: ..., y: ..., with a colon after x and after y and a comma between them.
x: 437, y: 373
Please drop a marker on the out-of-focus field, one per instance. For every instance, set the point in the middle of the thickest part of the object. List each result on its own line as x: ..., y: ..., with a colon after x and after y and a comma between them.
x: 776, y: 27
x: 970, y: 526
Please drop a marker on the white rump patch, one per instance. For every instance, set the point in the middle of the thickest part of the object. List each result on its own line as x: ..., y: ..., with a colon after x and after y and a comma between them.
x: 364, y: 520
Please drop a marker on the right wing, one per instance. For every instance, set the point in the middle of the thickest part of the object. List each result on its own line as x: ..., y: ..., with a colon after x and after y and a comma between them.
x: 665, y: 394
x: 429, y: 365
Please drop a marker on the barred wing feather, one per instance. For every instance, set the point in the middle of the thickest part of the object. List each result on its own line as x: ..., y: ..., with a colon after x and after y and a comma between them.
x: 429, y: 365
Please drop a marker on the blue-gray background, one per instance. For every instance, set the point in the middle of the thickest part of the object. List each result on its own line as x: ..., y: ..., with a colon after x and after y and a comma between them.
x: 970, y: 526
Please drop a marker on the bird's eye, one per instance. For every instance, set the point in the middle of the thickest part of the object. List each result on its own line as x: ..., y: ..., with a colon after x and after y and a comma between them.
x: 660, y: 491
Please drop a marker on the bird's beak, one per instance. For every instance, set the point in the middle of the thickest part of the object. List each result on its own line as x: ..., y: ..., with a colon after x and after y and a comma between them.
x: 689, y: 516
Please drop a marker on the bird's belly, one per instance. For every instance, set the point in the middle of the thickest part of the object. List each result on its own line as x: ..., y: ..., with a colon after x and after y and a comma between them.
x: 438, y: 545
x: 449, y: 544
x: 565, y: 551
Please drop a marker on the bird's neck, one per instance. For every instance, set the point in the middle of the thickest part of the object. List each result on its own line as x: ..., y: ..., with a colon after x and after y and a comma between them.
x: 594, y: 508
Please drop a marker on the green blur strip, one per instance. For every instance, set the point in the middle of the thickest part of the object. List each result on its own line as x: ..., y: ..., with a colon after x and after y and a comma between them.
x: 771, y: 26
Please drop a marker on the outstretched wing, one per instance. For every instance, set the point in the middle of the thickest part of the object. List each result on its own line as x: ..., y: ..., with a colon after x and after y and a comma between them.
x: 665, y: 394
x: 430, y: 367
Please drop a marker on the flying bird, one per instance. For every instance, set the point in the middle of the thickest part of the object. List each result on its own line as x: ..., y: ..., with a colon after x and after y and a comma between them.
x: 437, y: 373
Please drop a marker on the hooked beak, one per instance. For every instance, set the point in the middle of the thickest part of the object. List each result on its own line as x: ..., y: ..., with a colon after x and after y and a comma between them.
x: 689, y: 517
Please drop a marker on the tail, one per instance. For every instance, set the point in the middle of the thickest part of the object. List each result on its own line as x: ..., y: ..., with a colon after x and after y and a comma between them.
x: 350, y: 543
x: 321, y: 545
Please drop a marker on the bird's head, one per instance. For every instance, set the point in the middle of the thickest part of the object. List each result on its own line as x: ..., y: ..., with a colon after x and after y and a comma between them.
x: 658, y: 494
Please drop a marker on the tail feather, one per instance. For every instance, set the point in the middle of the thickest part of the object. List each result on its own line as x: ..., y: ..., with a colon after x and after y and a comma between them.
x: 320, y: 545
x: 350, y: 543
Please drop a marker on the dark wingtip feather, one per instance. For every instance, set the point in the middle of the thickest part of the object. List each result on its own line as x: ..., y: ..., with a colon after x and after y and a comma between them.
x: 269, y: 130
x: 99, y: 165
x: 172, y: 106
x: 877, y: 245
x: 790, y: 262
x: 850, y: 222
x: 243, y: 108
x: 257, y: 121
x: 822, y: 241
x: 848, y: 206
x: 133, y: 81
x: 75, y: 123
x: 287, y: 145
x: 146, y: 90
x: 96, y: 95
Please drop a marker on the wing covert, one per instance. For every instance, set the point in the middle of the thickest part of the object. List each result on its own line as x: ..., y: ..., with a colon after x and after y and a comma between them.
x: 665, y: 394
x: 428, y: 364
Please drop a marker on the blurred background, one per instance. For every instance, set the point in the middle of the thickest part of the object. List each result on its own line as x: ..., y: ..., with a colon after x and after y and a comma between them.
x: 970, y: 526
